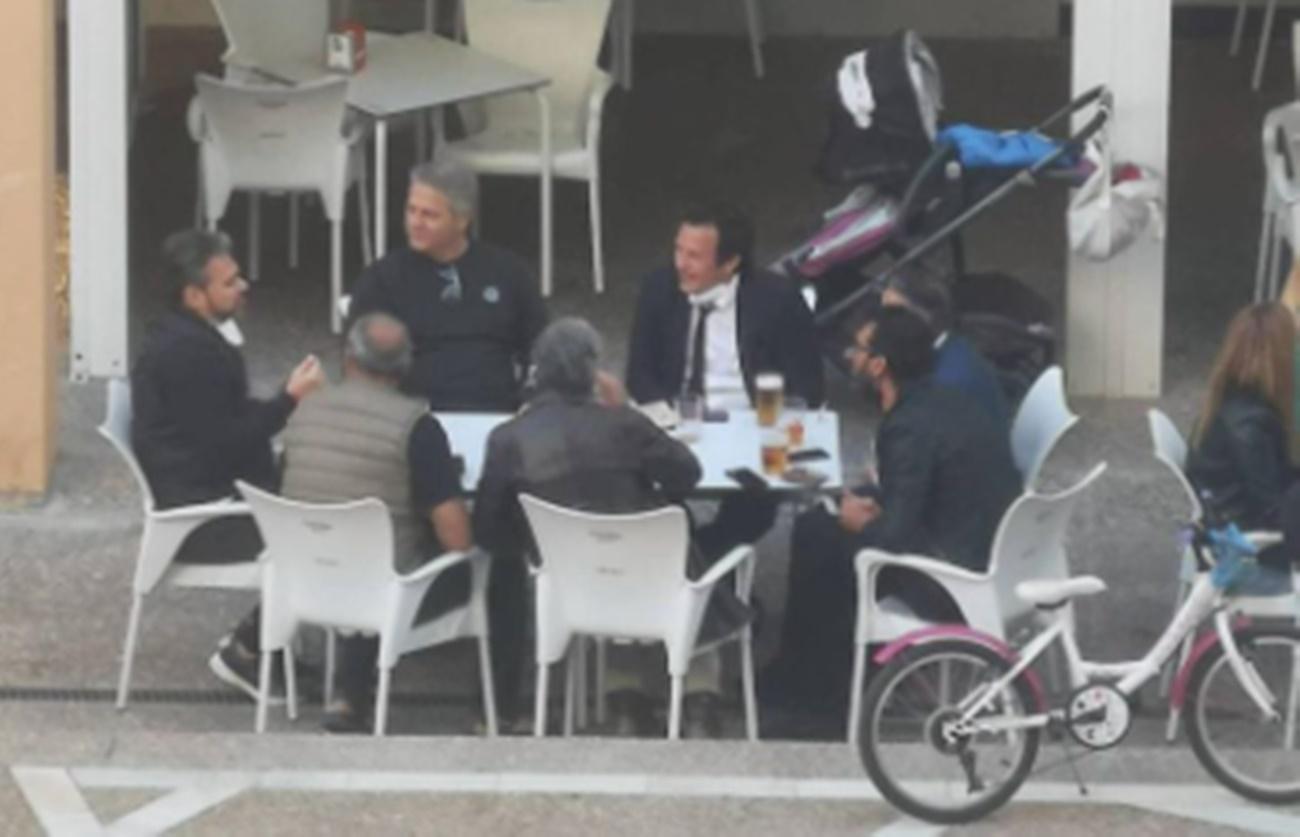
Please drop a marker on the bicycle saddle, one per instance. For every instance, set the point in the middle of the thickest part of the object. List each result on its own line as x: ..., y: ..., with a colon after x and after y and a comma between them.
x: 1051, y: 594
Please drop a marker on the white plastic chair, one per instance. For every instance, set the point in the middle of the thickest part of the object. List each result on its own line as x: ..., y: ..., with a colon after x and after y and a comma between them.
x: 1281, y: 211
x: 1040, y: 422
x: 332, y: 565
x: 1265, y: 34
x: 1170, y: 449
x: 559, y: 39
x: 624, y: 577
x: 621, y: 31
x: 1029, y: 545
x: 259, y: 138
x: 258, y: 32
x: 164, y: 532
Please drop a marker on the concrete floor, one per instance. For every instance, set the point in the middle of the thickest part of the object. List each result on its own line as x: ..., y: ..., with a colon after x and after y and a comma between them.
x: 695, y: 123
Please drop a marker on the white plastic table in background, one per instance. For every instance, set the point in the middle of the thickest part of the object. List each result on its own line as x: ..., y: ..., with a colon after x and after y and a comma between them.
x: 720, y: 446
x: 416, y: 72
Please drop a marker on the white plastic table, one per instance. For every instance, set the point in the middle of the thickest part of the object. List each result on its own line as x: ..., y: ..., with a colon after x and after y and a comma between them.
x: 418, y: 71
x: 719, y: 447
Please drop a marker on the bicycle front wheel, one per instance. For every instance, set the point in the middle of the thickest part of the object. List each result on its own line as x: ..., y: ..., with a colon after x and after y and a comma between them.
x: 1236, y: 742
x: 914, y: 754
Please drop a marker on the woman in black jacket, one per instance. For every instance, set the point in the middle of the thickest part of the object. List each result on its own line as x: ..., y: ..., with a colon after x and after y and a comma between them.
x: 1241, y: 456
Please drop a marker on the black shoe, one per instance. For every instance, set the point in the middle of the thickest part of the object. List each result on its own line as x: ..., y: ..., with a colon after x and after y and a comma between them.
x: 702, y: 715
x: 630, y: 714
x: 341, y: 718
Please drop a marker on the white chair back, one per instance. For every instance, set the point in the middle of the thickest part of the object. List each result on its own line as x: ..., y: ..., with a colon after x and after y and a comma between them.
x: 258, y: 31
x: 1280, y: 139
x: 325, y: 563
x: 619, y: 575
x: 1170, y: 448
x: 1030, y: 543
x: 557, y: 38
x: 116, y: 428
x: 264, y: 137
x: 1043, y: 418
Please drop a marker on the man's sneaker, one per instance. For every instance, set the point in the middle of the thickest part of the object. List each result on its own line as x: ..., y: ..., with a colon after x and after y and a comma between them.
x: 340, y: 718
x: 237, y: 668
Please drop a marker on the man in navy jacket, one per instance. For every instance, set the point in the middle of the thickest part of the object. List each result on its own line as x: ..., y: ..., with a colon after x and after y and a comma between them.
x: 957, y: 364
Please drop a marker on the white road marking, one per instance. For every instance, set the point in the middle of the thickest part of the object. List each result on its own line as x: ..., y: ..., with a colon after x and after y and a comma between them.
x: 181, y: 805
x: 908, y: 827
x: 53, y: 793
x: 55, y: 800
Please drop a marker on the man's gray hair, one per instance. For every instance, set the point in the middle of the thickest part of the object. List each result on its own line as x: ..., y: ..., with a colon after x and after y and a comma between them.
x: 566, y: 355
x: 454, y: 180
x: 185, y: 257
x: 380, y: 345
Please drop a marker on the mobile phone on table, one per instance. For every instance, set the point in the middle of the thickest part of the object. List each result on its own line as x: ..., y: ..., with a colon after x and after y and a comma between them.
x: 716, y: 415
x: 747, y: 479
x: 808, y: 455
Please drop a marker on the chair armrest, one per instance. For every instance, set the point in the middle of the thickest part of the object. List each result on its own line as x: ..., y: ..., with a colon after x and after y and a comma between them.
x: 438, y: 565
x: 1263, y: 539
x: 1286, y: 190
x: 728, y: 562
x: 870, y: 559
x: 202, y: 511
x: 194, y: 120
x: 601, y: 83
x: 355, y: 126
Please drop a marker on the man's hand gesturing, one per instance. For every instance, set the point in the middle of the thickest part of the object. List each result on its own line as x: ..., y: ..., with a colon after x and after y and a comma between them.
x: 306, y: 377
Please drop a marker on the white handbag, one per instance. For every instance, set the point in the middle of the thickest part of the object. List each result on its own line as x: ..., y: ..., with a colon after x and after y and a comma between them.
x: 1106, y: 217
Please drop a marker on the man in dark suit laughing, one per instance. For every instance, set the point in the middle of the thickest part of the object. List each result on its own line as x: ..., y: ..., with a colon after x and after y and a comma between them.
x: 706, y: 327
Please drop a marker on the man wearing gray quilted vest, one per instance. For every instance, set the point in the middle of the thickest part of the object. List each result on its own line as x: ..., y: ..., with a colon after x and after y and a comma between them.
x: 364, y: 438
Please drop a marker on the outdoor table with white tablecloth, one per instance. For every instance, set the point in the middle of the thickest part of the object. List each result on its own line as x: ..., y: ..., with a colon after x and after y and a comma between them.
x: 719, y: 446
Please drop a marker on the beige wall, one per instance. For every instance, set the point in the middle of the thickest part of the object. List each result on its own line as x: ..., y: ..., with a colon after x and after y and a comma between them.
x: 27, y: 356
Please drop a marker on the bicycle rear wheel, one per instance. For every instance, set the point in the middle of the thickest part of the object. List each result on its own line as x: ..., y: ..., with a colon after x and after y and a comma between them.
x: 927, y: 771
x: 1248, y: 753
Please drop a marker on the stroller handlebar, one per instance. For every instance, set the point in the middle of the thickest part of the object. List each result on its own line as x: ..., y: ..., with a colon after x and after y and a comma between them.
x: 1100, y: 96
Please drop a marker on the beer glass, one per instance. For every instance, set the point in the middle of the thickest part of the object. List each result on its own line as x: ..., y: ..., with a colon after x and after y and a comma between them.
x: 769, y: 391
x: 774, y: 448
x: 792, y: 420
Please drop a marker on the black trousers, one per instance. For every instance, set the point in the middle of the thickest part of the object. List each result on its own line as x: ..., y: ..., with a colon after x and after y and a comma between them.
x: 357, y: 655
x: 816, y: 655
x: 1287, y: 554
x: 228, y: 540
x: 509, y: 615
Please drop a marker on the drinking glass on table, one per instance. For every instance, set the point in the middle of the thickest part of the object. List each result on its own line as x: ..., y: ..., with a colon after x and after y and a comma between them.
x: 792, y: 421
x: 775, y: 448
x: 769, y: 395
x: 690, y: 415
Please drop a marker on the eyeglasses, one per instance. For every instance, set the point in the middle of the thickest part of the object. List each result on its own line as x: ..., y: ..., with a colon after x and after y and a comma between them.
x: 452, y: 291
x: 855, y: 349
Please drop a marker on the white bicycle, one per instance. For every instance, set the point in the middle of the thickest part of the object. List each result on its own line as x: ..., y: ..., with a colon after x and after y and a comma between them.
x: 951, y: 725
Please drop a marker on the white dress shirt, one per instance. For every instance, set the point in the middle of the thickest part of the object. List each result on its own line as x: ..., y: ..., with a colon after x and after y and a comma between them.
x: 724, y: 384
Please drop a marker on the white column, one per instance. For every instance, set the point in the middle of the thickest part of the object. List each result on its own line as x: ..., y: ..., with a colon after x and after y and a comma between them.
x: 98, y: 71
x: 1115, y: 310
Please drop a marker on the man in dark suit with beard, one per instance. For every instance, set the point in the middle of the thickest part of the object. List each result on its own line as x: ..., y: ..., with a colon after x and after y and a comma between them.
x: 946, y: 477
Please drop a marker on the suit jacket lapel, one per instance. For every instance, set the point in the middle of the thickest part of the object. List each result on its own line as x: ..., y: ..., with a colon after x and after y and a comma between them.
x: 746, y: 328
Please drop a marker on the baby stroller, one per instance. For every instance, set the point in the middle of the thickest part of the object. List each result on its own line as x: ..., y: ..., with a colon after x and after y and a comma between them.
x: 915, y: 187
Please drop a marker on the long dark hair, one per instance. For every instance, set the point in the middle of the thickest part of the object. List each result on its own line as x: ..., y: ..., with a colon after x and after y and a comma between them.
x: 1257, y: 356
